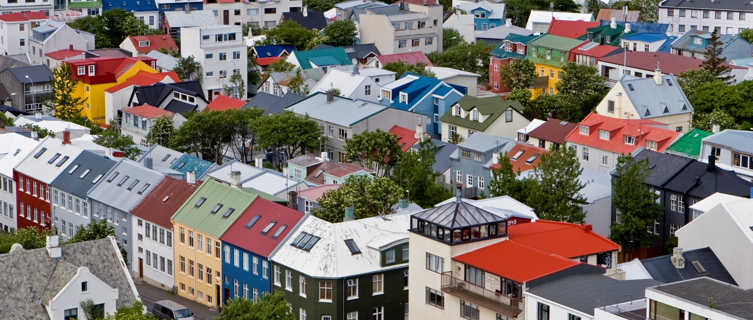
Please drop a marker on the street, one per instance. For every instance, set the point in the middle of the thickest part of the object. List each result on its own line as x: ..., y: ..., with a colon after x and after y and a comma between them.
x: 149, y: 294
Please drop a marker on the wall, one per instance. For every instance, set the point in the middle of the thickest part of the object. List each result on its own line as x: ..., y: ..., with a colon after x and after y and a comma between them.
x: 595, y: 157
x: 502, y: 128
x: 61, y: 39
x: 8, y: 212
x: 13, y: 86
x: 193, y: 44
x: 39, y: 203
x: 598, y: 215
x: 246, y: 273
x: 30, y: 5
x: 61, y: 213
x: 205, y: 291
x: 160, y: 243
x: 71, y: 295
x: 12, y: 37
x: 119, y: 220
x: 474, y: 168
x: 695, y: 18
x: 556, y: 310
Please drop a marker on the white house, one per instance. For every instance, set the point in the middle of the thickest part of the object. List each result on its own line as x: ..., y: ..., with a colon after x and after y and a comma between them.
x: 466, y: 79
x: 733, y: 150
x: 8, y: 6
x: 259, y: 14
x: 117, y: 97
x: 707, y: 15
x: 357, y: 84
x: 221, y: 52
x: 539, y: 20
x: 15, y: 30
x: 53, y: 36
x: 139, y: 120
x: 13, y: 149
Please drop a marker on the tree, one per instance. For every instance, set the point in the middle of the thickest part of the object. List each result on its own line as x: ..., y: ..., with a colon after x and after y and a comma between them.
x: 320, y: 5
x: 188, y: 68
x: 237, y: 87
x: 400, y: 68
x: 92, y: 311
x: 636, y: 204
x: 287, y: 134
x: 161, y: 132
x: 649, y: 9
x: 451, y: 38
x: 5, y: 121
x: 747, y: 35
x: 414, y: 173
x: 715, y: 62
x: 41, y: 132
x: 518, y: 10
x: 242, y: 124
x: 719, y: 117
x: 66, y: 105
x: 518, y: 74
x: 297, y: 84
x: 97, y: 229
x: 341, y: 33
x: 271, y: 306
x: 281, y: 66
x: 29, y: 238
x: 471, y: 57
x: 691, y: 80
x: 523, y: 96
x: 111, y: 139
x: 377, y: 150
x: 133, y: 312
x: 205, y: 133
x: 557, y: 196
x: 368, y: 196
x: 111, y: 27
x: 505, y: 181
x: 580, y: 89
x: 290, y: 32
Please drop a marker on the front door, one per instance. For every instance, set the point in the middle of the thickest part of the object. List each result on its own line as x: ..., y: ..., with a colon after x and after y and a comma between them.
x: 226, y: 17
x: 141, y: 268
x: 217, y: 292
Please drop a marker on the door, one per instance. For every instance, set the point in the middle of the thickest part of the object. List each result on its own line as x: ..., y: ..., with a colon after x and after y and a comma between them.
x: 217, y: 293
x: 226, y: 17
x: 141, y: 268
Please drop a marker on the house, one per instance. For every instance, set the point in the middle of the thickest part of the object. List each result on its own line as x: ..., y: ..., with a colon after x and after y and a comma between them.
x: 610, y: 32
x: 364, y: 84
x: 588, y: 53
x: 181, y: 97
x: 692, y: 297
x: 402, y: 27
x: 465, y: 79
x: 147, y: 11
x: 462, y: 23
x: 65, y: 277
x: 268, y: 54
x: 694, y: 43
x: 153, y: 231
x: 349, y: 10
x: 618, y: 14
x: 513, y: 46
x: 70, y: 203
x: 486, y: 14
x: 407, y: 138
x: 278, y: 83
x: 321, y: 171
x: 33, y: 176
x: 53, y: 42
x: 222, y: 103
x: 689, y: 144
x: 600, y: 140
x: 647, y: 42
x: 342, y: 118
x: 161, y: 159
x: 191, y: 165
x: 539, y: 20
x: 116, y: 194
x: 549, y: 53
x: 572, y: 29
x: 174, y: 21
x: 353, y: 269
x: 319, y: 58
x: 165, y: 62
x: 84, y: 7
x: 308, y: 18
x: 643, y: 65
x: 138, y: 121
x: 253, y: 239
x: 660, y: 99
x: 472, y: 115
x: 30, y: 86
x: 221, y: 52
x: 199, y: 274
x: 472, y: 163
x: 14, y: 149
x: 142, y: 45
x: 30, y: 6
x: 442, y: 164
x: 523, y: 157
x: 412, y: 58
x: 523, y: 132
x: 270, y: 184
x: 252, y: 13
x: 705, y: 15
x: 118, y: 97
x: 499, y: 33
x: 422, y: 95
x: 15, y: 30
x: 732, y: 149
x: 684, y: 265
x: 410, y: 140
x: 361, y: 52
x: 308, y: 199
x: 272, y: 104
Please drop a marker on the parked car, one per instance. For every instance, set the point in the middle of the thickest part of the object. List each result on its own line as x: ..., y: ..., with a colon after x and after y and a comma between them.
x: 167, y: 309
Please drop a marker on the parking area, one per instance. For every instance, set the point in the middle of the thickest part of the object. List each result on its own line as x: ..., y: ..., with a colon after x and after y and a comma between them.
x: 149, y: 294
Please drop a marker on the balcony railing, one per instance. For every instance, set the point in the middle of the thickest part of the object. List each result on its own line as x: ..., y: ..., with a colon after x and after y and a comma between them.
x: 494, y: 300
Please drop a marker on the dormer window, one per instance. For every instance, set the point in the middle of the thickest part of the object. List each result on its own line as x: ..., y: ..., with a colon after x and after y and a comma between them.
x: 403, y: 97
x: 456, y: 110
x: 630, y: 140
x: 583, y: 130
x: 80, y: 70
x: 91, y: 70
x: 386, y: 94
x: 548, y: 54
x: 697, y: 40
x: 603, y: 134
x: 143, y: 43
x: 651, y: 145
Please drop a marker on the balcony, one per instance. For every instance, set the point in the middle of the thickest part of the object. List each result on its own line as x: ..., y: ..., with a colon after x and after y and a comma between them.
x: 492, y: 300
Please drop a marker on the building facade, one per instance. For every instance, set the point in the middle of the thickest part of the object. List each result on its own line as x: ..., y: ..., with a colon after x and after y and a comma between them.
x: 706, y: 15
x: 549, y: 53
x: 221, y: 52
x: 402, y: 28
x: 491, y: 115
x: 14, y: 149
x: 471, y: 164
x: 15, y: 29
x: 30, y: 87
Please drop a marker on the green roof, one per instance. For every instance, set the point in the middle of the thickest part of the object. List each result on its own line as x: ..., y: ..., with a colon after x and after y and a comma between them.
x: 202, y: 219
x: 491, y: 106
x: 325, y: 56
x: 84, y: 4
x: 602, y: 32
x: 689, y: 144
x: 555, y: 42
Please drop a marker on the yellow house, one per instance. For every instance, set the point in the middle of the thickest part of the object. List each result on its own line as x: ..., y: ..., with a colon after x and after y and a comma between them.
x: 198, y: 226
x: 549, y: 53
x: 95, y: 75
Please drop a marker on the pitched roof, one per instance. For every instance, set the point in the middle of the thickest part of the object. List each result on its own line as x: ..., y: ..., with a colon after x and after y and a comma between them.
x: 412, y: 58
x: 524, y: 157
x: 164, y: 61
x: 190, y: 163
x: 641, y: 130
x: 164, y: 201
x: 48, y: 159
x: 274, y: 50
x: 156, y: 93
x: 82, y: 173
x: 23, y: 16
x: 272, y: 104
x: 259, y: 181
x: 148, y: 111
x: 223, y: 102
x: 32, y: 74
x: 443, y: 73
x: 64, y: 54
x: 314, y: 193
x: 490, y: 107
x: 670, y: 63
x: 690, y: 143
x: 405, y: 137
x: 593, y: 49
x: 13, y: 150
x: 553, y: 130
x: 153, y: 42
x: 214, y: 193
x: 727, y: 299
x: 569, y: 28
x: 322, y: 57
x: 341, y: 111
x: 248, y: 230
x: 345, y: 81
x: 496, y: 9
x: 500, y: 51
x: 564, y: 239
x: 608, y: 14
x: 546, y: 16
x: 555, y: 42
x: 144, y: 78
x: 661, y: 268
x: 740, y: 140
x: 125, y: 185
x: 267, y: 61
x: 459, y: 214
x: 162, y: 157
x: 663, y: 166
x: 483, y: 143
x: 107, y: 69
x: 653, y: 100
x: 309, y: 19
x: 442, y: 157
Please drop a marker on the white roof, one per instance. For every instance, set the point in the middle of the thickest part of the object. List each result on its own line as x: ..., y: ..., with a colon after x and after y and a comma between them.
x: 543, y: 16
x: 331, y: 258
x: 443, y: 73
x: 713, y: 200
x: 399, y: 82
x: 375, y: 72
x: 270, y: 183
x: 330, y: 14
x: 344, y: 81
x: 40, y: 168
x: 14, y: 148
x: 634, y: 270
x: 535, y: 123
x: 497, y: 9
x: 503, y: 206
x: 86, y: 142
x: 56, y: 126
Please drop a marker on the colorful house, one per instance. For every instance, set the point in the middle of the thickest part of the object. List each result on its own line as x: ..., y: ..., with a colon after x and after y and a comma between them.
x: 549, y: 54
x: 588, y: 53
x: 319, y: 58
x: 514, y: 46
x: 490, y: 115
x: 486, y: 14
x: 95, y: 75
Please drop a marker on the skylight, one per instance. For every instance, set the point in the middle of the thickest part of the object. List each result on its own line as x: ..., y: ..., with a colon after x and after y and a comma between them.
x: 217, y: 208
x: 630, y: 86
x: 352, y: 246
x: 228, y: 212
x: 698, y: 266
x: 532, y: 158
x: 311, y: 243
x: 517, y: 155
x: 200, y: 202
x: 62, y: 161
x: 53, y: 158
x: 181, y: 165
x: 279, y: 231
x: 167, y: 156
x: 122, y: 181
x: 73, y: 169
x: 253, y: 221
x: 165, y: 199
x: 99, y: 176
x: 39, y: 153
x: 83, y: 174
x: 143, y: 189
x: 268, y: 227
x: 133, y: 184
x: 305, y: 241
x: 302, y: 234
x: 113, y: 176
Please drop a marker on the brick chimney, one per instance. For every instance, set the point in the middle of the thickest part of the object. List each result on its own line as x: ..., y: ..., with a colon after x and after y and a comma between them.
x: 67, y: 136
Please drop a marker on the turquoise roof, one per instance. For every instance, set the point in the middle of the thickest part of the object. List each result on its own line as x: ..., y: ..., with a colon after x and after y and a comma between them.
x: 322, y: 57
x: 188, y: 163
x: 499, y: 50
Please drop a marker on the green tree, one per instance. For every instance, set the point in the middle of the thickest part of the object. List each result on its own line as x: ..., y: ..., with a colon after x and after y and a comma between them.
x: 161, y: 132
x: 92, y: 311
x: 97, y: 229
x: 523, y: 96
x: 111, y: 27
x: 41, y: 132
x: 377, y: 150
x: 341, y: 33
x: 29, y: 238
x: 557, y: 196
x: 747, y: 35
x: 518, y: 74
x: 320, y: 5
x: 133, y: 312
x: 289, y: 134
x: 455, y: 138
x: 5, y: 121
x: 243, y: 124
x: 271, y: 306
x: 290, y: 32
x: 400, y: 68
x: 505, y: 181
x: 188, y: 68
x: 205, y: 133
x: 691, y: 80
x: 636, y: 205
x: 414, y: 173
x: 471, y: 57
x: 237, y: 88
x: 719, y: 117
x: 716, y: 94
x: 714, y: 61
x: 297, y: 85
x: 369, y: 196
x: 111, y: 139
x: 579, y: 90
x: 281, y: 66
x: 649, y: 9
x: 66, y: 105
x: 451, y: 38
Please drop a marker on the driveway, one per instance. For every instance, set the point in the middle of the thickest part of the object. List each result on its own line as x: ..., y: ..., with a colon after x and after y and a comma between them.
x: 149, y: 294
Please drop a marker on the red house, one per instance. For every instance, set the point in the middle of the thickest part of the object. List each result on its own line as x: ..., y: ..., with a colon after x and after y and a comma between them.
x: 514, y: 46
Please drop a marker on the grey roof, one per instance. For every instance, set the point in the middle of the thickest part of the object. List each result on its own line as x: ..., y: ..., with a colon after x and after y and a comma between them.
x: 483, y: 142
x: 442, y: 157
x: 177, y: 106
x: 458, y: 214
x: 501, y: 32
x: 736, y: 5
x: 652, y: 100
x: 8, y: 62
x: 357, y: 51
x: 71, y: 180
x: 597, y: 184
x: 158, y: 92
x: 726, y: 298
x: 739, y: 140
x: 661, y: 268
x: 164, y: 61
x: 37, y: 74
x: 587, y: 291
x: 24, y: 292
x: 120, y: 197
x: 341, y: 111
x: 272, y: 104
x: 162, y: 157
x: 671, y: 165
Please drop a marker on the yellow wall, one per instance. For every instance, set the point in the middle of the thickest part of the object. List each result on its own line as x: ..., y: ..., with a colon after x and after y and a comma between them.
x: 553, y: 73
x: 204, y: 291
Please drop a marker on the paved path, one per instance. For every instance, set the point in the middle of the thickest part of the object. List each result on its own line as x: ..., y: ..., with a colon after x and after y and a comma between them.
x: 149, y: 294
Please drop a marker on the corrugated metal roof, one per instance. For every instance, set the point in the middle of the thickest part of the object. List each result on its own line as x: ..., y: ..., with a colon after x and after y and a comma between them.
x: 341, y: 111
x: 197, y: 214
x: 48, y: 159
x: 125, y: 185
x: 83, y: 173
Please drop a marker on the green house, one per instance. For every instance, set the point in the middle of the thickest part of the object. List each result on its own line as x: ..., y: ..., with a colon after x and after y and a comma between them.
x: 551, y: 50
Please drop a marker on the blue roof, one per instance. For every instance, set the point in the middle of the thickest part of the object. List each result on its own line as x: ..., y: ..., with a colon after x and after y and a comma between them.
x: 274, y: 50
x: 442, y: 90
x: 188, y: 163
x: 667, y: 45
x: 415, y: 89
x: 141, y: 5
x: 645, y: 37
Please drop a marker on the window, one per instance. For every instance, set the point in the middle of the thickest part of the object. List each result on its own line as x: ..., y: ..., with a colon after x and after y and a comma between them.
x: 542, y: 311
x: 585, y: 153
x: 201, y: 272
x: 367, y: 90
x: 190, y: 239
x: 378, y: 313
x: 352, y: 315
x: 741, y: 16
x: 351, y: 289
x: 255, y: 262
x: 288, y: 280
x: 91, y: 70
x: 70, y: 314
x: 469, y: 180
x: 603, y: 134
x: 434, y: 298
x: 227, y: 254
x: 434, y: 263
x: 651, y: 145
x: 401, y: 43
x: 428, y: 41
x: 389, y: 256
x: 468, y: 310
x: 301, y: 286
x: 743, y: 160
x: 265, y: 269
x: 277, y: 275
x: 415, y: 42
x: 474, y: 276
x: 571, y: 316
x: 245, y: 261
x: 182, y: 263
x: 717, y: 15
x: 223, y: 56
x: 404, y: 255
x: 80, y: 70
x: 325, y: 290
x: 302, y: 314
x: 236, y: 55
x: 377, y: 284
x: 190, y: 267
x: 670, y: 12
x: 610, y: 105
x: 583, y: 130
x: 604, y: 160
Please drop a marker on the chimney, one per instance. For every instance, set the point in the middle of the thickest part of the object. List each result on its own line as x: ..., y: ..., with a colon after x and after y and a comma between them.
x: 657, y: 76
x: 148, y: 162
x: 293, y: 200
x: 259, y: 161
x: 419, y: 132
x: 508, y: 22
x: 191, y: 177
x: 458, y: 192
x: 66, y: 136
x: 53, y: 247
x: 330, y: 96
x: 712, y: 163
x: 348, y: 214
x: 613, y: 23
x: 324, y: 156
x: 715, y: 128
x: 627, y: 28
x: 235, y: 178
x: 677, y: 259
x: 70, y: 47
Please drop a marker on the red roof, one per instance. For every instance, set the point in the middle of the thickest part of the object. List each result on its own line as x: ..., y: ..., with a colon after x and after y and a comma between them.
x: 23, y: 16
x: 669, y: 63
x: 570, y: 29
x: 221, y: 103
x: 164, y: 201
x: 144, y: 78
x: 414, y: 57
x: 564, y: 239
x: 641, y: 130
x: 406, y: 138
x: 314, y: 193
x: 148, y: 111
x: 524, y: 157
x: 252, y: 239
x: 107, y: 69
x: 267, y: 61
x: 592, y: 49
x: 154, y: 42
x: 64, y: 54
x: 553, y: 130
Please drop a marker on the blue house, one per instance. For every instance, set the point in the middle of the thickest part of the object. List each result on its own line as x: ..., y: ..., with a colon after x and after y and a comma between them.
x: 694, y: 43
x: 272, y: 50
x: 423, y: 95
x: 251, y: 240
x: 148, y: 10
x: 647, y: 41
x: 471, y: 163
x: 486, y: 15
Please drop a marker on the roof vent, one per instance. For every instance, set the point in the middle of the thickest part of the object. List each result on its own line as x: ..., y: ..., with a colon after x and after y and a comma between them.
x: 698, y: 266
x: 678, y: 261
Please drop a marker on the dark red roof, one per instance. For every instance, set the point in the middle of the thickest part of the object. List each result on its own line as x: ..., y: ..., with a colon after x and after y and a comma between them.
x: 155, y: 42
x: 314, y: 193
x: 163, y: 201
x: 23, y: 16
x: 553, y: 130
x: 148, y: 111
x: 107, y: 69
x: 669, y: 63
x: 405, y: 137
x: 252, y: 239
x: 641, y: 130
x: 221, y: 103
x: 63, y: 54
x: 570, y: 29
x: 413, y: 58
x: 592, y: 49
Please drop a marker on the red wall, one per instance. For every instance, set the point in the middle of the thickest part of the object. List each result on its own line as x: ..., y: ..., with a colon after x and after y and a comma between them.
x: 39, y: 202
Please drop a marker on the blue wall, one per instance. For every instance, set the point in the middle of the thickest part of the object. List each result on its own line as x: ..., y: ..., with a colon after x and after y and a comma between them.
x: 479, y: 22
x: 230, y: 273
x: 421, y: 100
